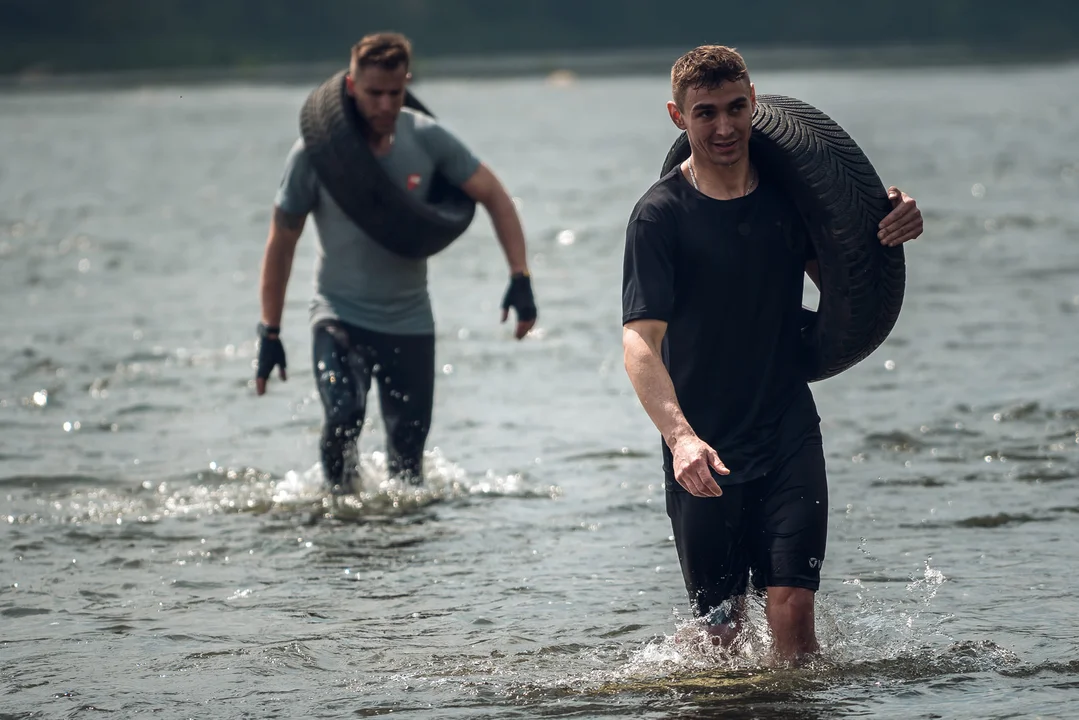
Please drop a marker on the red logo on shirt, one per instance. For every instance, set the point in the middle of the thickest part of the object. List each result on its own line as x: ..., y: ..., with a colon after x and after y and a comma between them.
x: 414, y: 181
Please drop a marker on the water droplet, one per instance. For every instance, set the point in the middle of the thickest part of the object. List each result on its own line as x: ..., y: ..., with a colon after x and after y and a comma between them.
x: 566, y: 237
x: 447, y: 369
x: 978, y: 190
x: 67, y: 427
x: 84, y: 265
x: 889, y: 365
x: 41, y: 398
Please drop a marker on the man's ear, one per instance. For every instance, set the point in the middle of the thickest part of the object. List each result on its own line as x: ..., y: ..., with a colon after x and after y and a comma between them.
x: 752, y: 97
x: 350, y: 85
x: 676, y: 115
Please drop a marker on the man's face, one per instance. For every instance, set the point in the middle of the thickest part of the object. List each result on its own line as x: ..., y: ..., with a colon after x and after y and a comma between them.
x: 718, y: 121
x: 379, y: 95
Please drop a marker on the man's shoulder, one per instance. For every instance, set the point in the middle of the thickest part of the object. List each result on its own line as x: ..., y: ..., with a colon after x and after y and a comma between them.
x: 299, y: 147
x: 419, y: 124
x: 297, y: 158
x: 661, y: 201
x: 428, y: 133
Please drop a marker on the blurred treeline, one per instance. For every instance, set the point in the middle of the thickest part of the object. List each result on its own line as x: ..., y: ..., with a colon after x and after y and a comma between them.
x: 104, y: 35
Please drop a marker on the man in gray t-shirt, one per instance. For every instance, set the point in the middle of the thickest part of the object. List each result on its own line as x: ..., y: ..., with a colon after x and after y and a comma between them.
x: 371, y: 313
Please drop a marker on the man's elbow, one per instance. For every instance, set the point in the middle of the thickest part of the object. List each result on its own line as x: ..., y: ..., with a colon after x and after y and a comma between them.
x: 283, y: 239
x: 495, y: 200
x: 491, y: 193
x: 632, y: 346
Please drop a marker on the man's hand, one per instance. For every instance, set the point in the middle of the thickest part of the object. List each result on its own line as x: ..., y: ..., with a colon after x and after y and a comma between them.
x: 485, y: 188
x: 903, y: 223
x: 519, y: 296
x: 271, y: 355
x: 693, y: 463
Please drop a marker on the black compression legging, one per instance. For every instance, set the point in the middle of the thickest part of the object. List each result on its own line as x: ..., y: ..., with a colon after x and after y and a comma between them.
x: 345, y: 358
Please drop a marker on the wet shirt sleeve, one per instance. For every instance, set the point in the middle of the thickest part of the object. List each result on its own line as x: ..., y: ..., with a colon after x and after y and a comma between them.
x: 452, y: 157
x: 648, y: 270
x: 297, y: 193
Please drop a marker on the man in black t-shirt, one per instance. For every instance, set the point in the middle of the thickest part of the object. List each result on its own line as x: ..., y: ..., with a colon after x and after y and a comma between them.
x: 712, y: 294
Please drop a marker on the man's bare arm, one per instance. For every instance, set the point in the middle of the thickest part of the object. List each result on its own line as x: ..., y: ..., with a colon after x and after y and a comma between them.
x: 641, y: 345
x: 285, y: 231
x: 484, y: 188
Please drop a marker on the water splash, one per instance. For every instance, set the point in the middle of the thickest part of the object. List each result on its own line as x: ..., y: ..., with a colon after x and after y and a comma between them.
x: 380, y: 495
x: 879, y: 639
x: 221, y: 490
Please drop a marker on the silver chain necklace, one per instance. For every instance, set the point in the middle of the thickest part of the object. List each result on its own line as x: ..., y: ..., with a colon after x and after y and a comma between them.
x: 693, y: 177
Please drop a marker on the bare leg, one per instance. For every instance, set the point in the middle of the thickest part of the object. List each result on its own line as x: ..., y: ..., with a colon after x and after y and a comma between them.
x: 791, y: 619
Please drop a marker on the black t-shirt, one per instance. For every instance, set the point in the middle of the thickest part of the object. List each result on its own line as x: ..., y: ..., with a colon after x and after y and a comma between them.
x: 726, y: 276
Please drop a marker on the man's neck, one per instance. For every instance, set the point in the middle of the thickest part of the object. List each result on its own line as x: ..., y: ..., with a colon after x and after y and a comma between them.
x: 380, y: 144
x: 721, y: 182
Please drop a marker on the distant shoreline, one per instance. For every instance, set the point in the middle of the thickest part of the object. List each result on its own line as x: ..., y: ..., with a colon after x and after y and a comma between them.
x: 556, y: 64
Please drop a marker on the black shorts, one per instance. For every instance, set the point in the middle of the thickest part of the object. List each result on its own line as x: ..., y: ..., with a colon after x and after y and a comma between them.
x: 774, y: 529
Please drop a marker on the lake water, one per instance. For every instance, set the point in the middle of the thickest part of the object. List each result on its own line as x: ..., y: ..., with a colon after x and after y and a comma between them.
x: 165, y: 545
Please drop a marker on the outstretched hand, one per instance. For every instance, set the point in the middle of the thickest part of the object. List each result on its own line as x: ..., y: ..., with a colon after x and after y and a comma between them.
x: 903, y: 223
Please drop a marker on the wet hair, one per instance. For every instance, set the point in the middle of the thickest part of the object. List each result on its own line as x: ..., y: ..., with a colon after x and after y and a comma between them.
x: 707, y: 66
x: 386, y: 50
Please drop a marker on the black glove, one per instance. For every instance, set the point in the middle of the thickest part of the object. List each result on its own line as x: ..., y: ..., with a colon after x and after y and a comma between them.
x: 271, y: 354
x: 519, y: 296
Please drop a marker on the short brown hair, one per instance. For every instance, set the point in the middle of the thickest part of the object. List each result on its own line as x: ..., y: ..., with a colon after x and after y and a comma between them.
x: 707, y: 66
x: 386, y: 50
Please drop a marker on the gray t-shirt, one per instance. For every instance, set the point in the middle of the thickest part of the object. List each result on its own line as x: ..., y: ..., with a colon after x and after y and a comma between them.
x: 356, y: 279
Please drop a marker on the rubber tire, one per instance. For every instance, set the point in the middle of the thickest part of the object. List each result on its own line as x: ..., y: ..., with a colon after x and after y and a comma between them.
x: 333, y: 132
x: 842, y: 201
